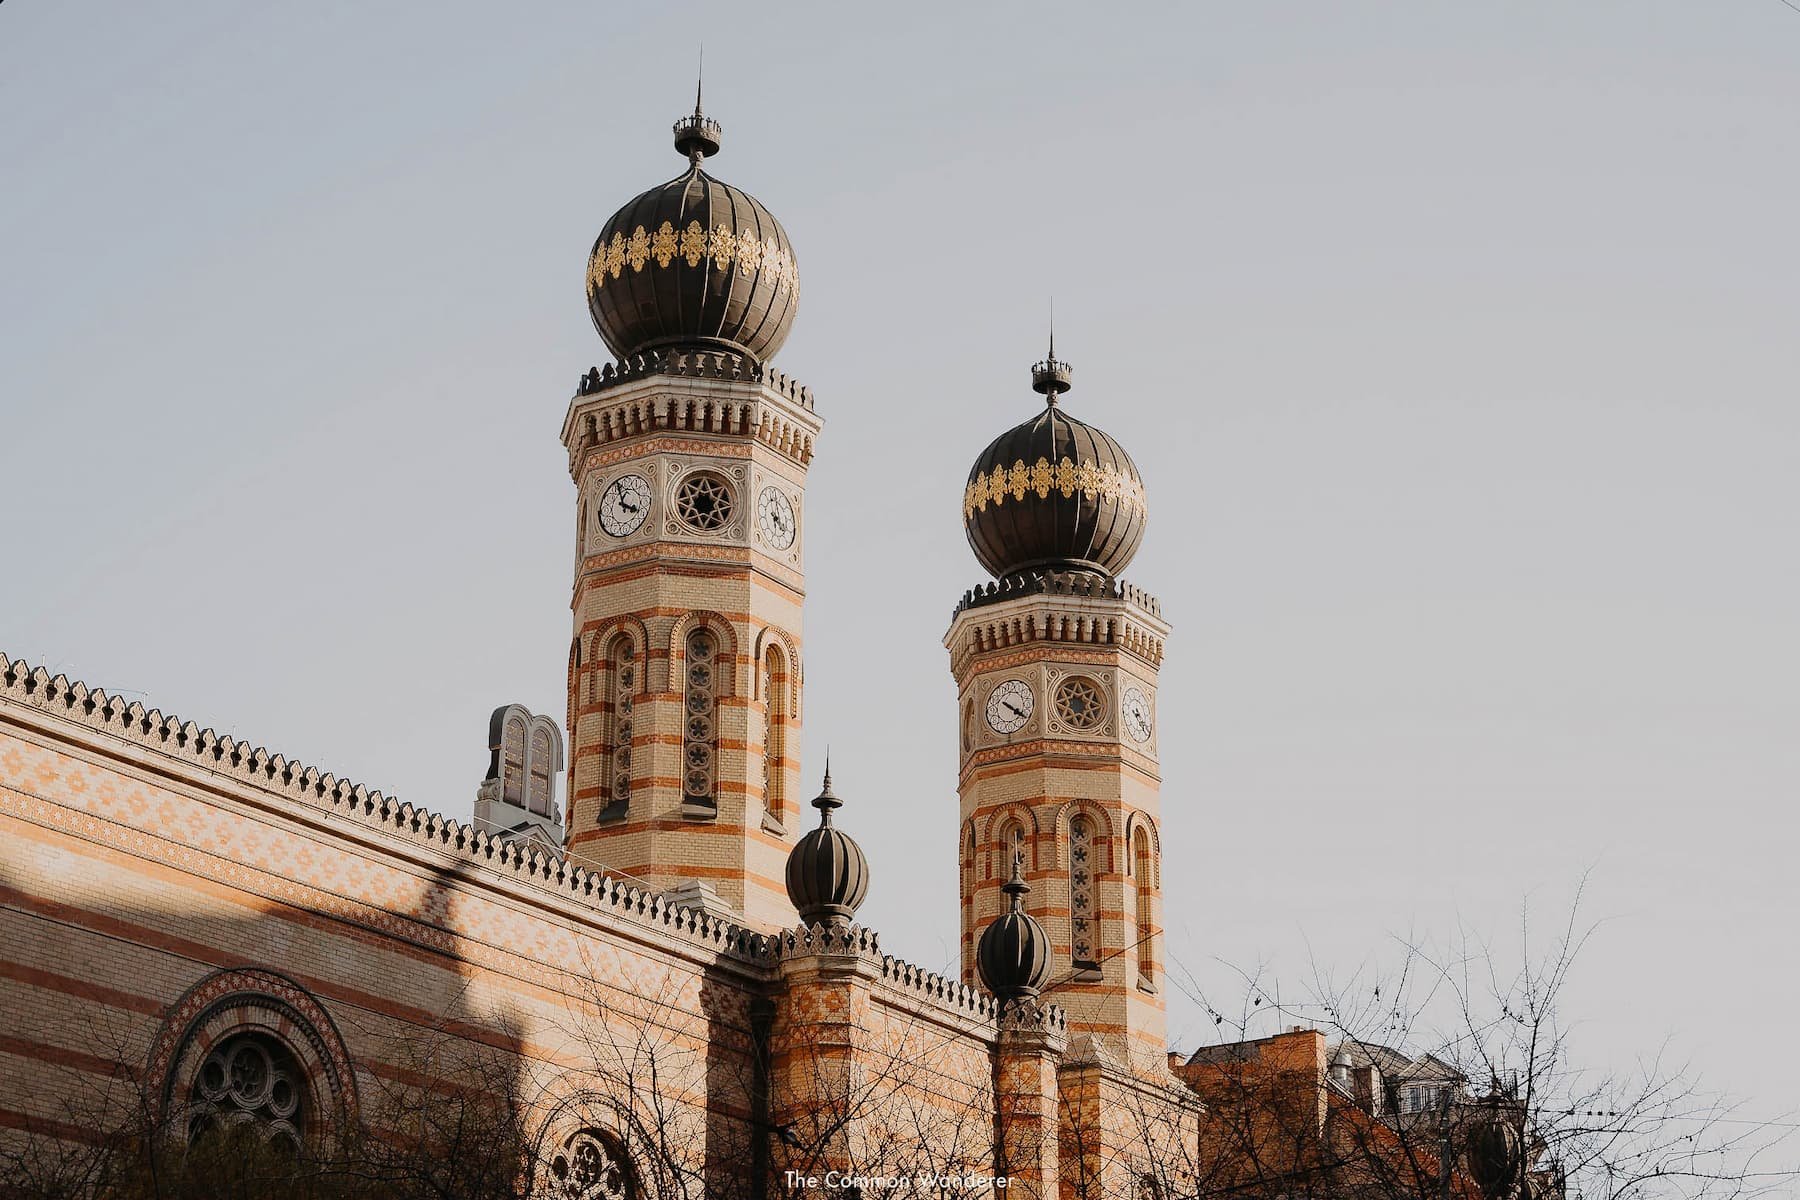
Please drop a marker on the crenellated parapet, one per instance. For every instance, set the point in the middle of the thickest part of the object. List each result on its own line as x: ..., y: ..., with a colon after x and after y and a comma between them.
x: 1072, y: 610
x: 717, y: 364
x: 323, y: 792
x: 722, y: 396
x: 1058, y: 583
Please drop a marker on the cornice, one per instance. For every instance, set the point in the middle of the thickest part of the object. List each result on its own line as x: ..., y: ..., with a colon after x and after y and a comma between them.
x: 1055, y: 611
x: 715, y: 395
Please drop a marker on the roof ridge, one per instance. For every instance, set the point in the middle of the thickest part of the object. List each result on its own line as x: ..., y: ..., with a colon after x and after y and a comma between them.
x: 273, y: 772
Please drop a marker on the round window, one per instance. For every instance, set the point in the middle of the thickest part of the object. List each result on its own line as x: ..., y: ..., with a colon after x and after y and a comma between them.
x: 1079, y: 704
x: 703, y: 502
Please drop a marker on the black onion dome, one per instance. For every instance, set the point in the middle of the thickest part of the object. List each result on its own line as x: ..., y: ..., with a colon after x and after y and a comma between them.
x: 694, y: 264
x: 827, y: 873
x: 1054, y: 493
x: 1014, y: 952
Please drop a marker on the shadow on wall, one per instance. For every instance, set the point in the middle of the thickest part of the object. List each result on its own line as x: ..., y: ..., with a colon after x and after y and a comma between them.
x: 155, y: 1025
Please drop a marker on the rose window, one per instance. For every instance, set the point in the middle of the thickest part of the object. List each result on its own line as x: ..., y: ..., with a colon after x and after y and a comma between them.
x: 249, y: 1081
x: 703, y: 501
x: 590, y: 1167
x: 1079, y: 704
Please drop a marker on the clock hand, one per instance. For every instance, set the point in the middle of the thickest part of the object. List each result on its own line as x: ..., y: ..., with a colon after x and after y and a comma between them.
x: 1009, y: 708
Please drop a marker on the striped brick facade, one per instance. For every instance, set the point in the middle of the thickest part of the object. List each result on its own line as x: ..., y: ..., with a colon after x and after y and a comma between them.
x: 638, y: 601
x: 1038, y: 780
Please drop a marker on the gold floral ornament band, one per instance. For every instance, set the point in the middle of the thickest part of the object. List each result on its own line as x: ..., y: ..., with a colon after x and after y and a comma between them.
x: 1093, y: 480
x: 692, y: 245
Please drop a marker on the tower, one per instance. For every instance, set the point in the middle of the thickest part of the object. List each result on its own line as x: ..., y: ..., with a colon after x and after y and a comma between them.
x: 689, y: 456
x: 1056, y: 673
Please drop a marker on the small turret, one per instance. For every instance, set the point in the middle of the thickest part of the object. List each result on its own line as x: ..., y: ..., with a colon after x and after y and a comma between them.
x: 827, y: 873
x: 1014, y: 953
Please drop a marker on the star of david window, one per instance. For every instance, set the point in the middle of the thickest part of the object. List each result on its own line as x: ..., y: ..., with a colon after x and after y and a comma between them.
x: 1079, y: 704
x: 251, y: 1082
x: 703, y: 502
x: 591, y: 1167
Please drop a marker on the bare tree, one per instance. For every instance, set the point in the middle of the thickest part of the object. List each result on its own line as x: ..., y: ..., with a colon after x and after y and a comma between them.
x: 1457, y: 1073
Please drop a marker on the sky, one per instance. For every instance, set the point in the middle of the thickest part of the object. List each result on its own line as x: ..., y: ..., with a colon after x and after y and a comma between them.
x: 1456, y: 345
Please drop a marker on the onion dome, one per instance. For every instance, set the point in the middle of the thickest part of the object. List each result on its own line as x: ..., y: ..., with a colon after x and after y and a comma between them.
x: 694, y: 264
x: 1493, y: 1151
x: 827, y: 874
x: 1014, y: 952
x: 1054, y: 493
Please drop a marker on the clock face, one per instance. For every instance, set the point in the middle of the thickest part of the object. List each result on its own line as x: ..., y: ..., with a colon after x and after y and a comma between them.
x: 1137, y: 714
x: 775, y: 518
x: 625, y: 505
x: 1009, y: 706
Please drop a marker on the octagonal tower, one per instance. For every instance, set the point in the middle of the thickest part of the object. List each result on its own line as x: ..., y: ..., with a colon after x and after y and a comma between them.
x: 1056, y: 667
x: 690, y: 457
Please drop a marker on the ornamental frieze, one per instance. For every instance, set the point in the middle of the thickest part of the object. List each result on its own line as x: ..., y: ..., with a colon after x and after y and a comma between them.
x: 691, y: 246
x: 1093, y: 480
x: 717, y: 448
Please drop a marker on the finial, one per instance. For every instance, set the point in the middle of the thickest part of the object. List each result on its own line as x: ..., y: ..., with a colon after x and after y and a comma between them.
x: 1052, y: 377
x: 697, y: 136
x: 1016, y: 887
x: 825, y: 801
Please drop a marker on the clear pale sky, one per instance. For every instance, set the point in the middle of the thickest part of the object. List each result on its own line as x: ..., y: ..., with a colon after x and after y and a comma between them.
x: 1455, y: 342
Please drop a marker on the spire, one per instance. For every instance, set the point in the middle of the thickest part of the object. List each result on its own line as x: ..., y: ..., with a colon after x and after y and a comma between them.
x: 827, y: 873
x: 825, y: 802
x: 1013, y: 953
x: 1016, y: 887
x: 697, y: 136
x: 1051, y: 378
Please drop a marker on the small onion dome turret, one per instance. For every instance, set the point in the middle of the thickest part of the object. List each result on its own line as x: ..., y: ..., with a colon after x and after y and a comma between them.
x: 1494, y: 1151
x: 1054, y: 493
x: 1014, y: 952
x: 827, y: 873
x: 694, y: 264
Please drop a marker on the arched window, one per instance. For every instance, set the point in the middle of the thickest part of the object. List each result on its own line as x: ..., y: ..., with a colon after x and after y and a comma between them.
x: 701, y: 741
x: 968, y: 903
x: 968, y: 727
x: 512, y: 750
x: 1144, y: 876
x: 592, y: 1166
x: 775, y: 716
x: 1084, y: 926
x: 615, y: 778
x: 250, y: 1081
x: 1011, y: 842
x: 537, y: 781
